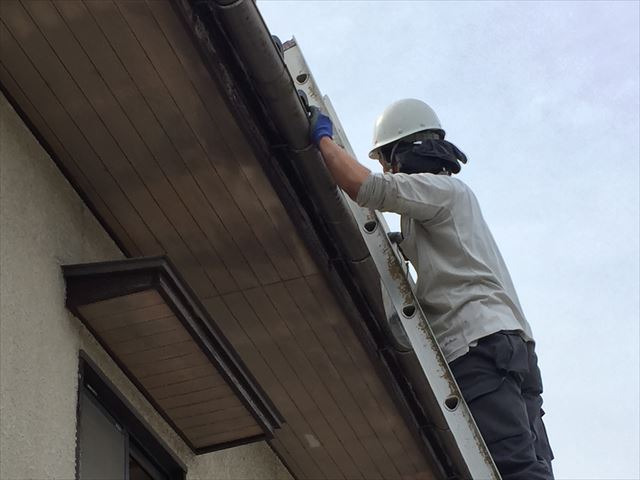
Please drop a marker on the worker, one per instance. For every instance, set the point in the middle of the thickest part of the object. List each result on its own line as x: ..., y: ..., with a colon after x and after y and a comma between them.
x: 462, y: 282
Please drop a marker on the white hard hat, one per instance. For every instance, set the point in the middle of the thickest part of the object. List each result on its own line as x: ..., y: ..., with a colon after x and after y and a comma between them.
x: 400, y: 119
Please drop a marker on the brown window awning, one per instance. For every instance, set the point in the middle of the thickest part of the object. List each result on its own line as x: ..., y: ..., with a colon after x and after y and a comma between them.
x: 148, y: 320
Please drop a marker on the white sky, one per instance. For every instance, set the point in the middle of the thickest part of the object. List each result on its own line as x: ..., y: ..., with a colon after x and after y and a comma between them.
x: 544, y: 100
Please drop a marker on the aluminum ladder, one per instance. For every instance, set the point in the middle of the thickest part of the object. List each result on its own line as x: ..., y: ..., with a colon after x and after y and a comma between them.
x: 472, y: 455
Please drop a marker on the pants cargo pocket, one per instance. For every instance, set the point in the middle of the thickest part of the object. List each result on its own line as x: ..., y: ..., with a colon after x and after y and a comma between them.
x: 491, y: 377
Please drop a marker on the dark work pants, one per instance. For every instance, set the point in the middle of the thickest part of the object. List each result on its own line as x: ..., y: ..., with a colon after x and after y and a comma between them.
x: 501, y: 383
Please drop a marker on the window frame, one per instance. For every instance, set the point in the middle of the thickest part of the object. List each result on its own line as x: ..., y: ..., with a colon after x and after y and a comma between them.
x: 140, y: 440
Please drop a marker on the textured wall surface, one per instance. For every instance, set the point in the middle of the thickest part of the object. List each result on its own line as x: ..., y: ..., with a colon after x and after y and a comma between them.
x: 44, y: 224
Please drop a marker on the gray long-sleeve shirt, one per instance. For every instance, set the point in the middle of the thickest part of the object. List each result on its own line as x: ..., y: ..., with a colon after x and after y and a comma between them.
x: 463, y: 284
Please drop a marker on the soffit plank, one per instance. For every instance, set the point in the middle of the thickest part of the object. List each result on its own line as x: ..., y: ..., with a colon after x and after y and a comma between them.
x: 218, y: 392
x: 68, y: 93
x: 211, y: 138
x: 353, y: 395
x: 274, y: 373
x: 120, y: 142
x: 217, y: 389
x: 242, y: 341
x: 277, y: 231
x: 168, y: 365
x: 129, y: 304
x: 389, y: 423
x: 191, y: 416
x: 193, y: 384
x: 332, y: 390
x: 154, y: 354
x: 301, y: 460
x: 147, y: 342
x: 57, y: 120
x: 81, y: 184
x: 133, y: 77
x: 330, y: 425
x: 366, y: 386
x: 159, y: 383
x: 142, y: 314
x: 130, y: 87
x: 150, y: 328
x: 221, y: 438
x: 228, y: 421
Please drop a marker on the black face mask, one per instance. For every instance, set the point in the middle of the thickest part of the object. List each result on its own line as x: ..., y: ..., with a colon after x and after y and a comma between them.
x: 426, y: 156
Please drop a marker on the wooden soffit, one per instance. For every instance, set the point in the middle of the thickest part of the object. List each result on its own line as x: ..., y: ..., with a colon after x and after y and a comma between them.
x: 151, y: 123
x: 143, y: 314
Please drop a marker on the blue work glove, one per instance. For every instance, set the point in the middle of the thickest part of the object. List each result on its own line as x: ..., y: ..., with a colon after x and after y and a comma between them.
x: 320, y: 125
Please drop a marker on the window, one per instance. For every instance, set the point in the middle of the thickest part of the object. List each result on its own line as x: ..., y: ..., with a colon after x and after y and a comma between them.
x: 113, y: 442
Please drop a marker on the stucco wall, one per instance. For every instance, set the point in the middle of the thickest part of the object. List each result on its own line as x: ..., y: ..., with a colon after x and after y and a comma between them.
x: 44, y: 224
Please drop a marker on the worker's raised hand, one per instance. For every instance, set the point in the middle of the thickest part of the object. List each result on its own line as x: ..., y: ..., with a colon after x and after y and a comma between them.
x: 320, y: 125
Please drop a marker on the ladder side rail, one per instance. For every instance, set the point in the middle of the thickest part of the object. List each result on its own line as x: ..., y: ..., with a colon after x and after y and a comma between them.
x: 451, y: 405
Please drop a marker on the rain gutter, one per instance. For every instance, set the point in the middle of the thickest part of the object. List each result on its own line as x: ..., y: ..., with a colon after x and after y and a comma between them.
x: 271, y: 80
x: 254, y: 47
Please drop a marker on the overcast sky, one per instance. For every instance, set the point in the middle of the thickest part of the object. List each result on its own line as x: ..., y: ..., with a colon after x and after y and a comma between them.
x: 544, y: 99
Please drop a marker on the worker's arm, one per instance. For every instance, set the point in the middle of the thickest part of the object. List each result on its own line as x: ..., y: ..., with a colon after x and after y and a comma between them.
x: 419, y: 196
x: 348, y: 173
